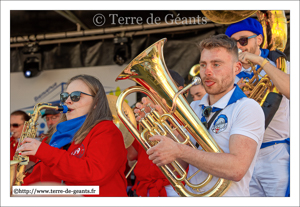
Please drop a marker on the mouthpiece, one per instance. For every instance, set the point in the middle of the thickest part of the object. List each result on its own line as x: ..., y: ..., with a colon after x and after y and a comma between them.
x: 196, y: 81
x: 63, y: 108
x: 240, y: 51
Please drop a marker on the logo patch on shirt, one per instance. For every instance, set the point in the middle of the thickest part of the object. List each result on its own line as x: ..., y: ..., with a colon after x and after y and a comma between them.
x: 220, y: 124
x: 79, y: 151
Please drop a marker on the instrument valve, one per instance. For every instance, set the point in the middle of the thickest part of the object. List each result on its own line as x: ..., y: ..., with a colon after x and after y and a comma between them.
x: 143, y: 110
x: 149, y: 105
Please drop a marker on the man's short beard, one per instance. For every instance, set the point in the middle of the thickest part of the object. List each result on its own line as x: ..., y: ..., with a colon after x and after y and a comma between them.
x: 223, y: 87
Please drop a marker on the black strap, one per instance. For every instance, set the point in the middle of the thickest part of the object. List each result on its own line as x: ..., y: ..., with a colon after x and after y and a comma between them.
x: 66, y: 147
x: 32, y: 167
x: 275, y: 54
x: 270, y: 106
x: 273, y: 100
x: 209, y: 123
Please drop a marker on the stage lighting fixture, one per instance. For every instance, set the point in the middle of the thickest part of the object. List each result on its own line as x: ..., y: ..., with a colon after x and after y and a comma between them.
x: 32, y: 65
x: 32, y: 60
x: 122, y: 50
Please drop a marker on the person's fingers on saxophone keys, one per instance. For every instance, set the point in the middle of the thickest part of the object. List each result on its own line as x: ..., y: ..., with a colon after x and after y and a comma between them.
x: 21, y: 147
x: 29, y: 146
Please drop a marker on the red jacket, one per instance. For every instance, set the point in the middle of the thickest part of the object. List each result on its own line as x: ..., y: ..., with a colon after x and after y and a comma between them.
x: 13, y: 147
x: 148, y: 175
x: 99, y: 160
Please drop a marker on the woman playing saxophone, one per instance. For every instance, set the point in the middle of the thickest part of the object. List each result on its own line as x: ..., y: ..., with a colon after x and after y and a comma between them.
x: 86, y: 147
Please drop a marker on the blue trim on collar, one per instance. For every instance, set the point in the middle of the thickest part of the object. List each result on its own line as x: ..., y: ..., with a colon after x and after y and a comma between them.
x: 263, y: 53
x: 236, y: 95
x: 214, y: 109
x: 245, y: 75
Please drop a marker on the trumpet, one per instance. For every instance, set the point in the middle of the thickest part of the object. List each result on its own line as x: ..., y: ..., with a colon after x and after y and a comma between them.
x: 258, y: 88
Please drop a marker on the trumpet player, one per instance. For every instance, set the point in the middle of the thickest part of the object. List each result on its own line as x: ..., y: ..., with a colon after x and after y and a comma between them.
x: 271, y: 173
x: 237, y: 130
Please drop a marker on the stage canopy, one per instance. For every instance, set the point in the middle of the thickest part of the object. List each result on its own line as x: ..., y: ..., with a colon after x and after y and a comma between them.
x: 72, y: 39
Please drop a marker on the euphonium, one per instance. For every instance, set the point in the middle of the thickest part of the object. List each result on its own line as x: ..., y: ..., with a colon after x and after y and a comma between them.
x: 149, y: 70
x: 19, y: 162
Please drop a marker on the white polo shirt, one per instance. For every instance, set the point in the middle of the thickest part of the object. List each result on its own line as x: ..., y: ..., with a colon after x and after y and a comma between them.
x: 278, y: 128
x: 235, y: 118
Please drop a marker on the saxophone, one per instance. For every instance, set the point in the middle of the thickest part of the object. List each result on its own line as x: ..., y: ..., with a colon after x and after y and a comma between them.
x: 19, y: 162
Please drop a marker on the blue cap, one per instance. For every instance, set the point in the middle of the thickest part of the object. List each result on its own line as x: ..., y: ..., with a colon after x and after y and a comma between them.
x: 248, y: 24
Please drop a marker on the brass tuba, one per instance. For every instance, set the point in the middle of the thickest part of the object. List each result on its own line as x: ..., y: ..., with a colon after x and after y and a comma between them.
x: 19, y: 162
x: 149, y: 70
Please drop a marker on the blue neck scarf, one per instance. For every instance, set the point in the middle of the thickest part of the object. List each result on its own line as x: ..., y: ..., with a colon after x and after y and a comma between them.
x: 264, y: 53
x: 66, y: 131
x: 236, y: 95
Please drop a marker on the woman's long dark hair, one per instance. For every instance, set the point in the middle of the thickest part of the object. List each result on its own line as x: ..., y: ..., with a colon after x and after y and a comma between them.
x: 98, y: 112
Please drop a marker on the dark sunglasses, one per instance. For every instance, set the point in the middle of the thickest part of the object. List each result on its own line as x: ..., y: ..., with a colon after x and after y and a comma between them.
x: 244, y: 40
x: 15, y: 125
x: 75, y: 96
